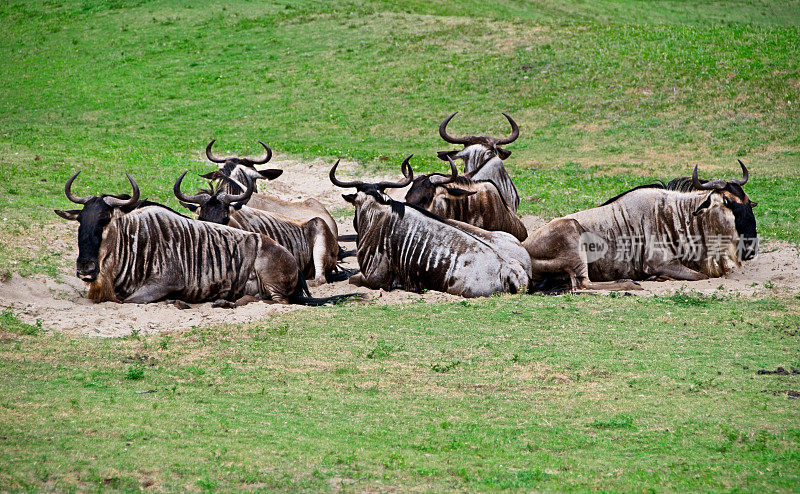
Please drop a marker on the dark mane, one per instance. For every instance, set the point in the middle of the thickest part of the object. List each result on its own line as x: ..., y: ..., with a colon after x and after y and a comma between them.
x: 464, y: 180
x: 140, y: 204
x: 657, y: 185
x: 683, y: 184
x: 398, y: 207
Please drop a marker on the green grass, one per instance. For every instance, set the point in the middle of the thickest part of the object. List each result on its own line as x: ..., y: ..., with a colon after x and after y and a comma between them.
x: 521, y: 393
x: 548, y: 394
x: 608, y: 94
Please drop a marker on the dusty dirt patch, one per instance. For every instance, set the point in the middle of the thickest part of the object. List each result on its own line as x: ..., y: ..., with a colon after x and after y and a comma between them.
x: 61, y: 304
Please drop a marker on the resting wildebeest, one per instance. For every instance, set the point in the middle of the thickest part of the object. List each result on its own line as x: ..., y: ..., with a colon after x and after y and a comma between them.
x: 483, y: 158
x: 649, y: 233
x: 310, y: 242
x: 477, y: 202
x: 139, y: 252
x: 236, y: 168
x: 401, y: 245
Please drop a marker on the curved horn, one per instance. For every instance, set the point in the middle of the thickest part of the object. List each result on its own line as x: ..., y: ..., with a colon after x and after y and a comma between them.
x: 447, y: 137
x: 437, y: 180
x: 210, y: 155
x: 710, y: 185
x: 407, y: 172
x: 121, y: 203
x: 339, y: 183
x: 696, y: 181
x: 262, y: 160
x: 514, y: 131
x: 249, y: 187
x: 68, y: 191
x: 196, y: 199
x: 745, y: 175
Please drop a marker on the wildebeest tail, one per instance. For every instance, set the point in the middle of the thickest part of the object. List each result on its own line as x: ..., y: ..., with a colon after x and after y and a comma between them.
x: 345, y: 253
x: 317, y: 301
x: 301, y: 291
x: 340, y: 274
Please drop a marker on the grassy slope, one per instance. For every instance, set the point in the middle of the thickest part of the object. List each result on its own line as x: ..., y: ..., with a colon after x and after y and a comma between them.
x: 607, y: 95
x: 418, y: 396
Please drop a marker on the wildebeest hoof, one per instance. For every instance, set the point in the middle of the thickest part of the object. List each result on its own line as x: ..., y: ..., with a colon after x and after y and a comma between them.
x: 224, y: 304
x: 356, y: 280
x: 630, y: 284
x: 181, y: 305
x: 316, y: 282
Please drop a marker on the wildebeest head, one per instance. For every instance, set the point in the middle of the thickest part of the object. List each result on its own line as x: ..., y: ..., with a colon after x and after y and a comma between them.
x: 248, y: 166
x: 424, y: 187
x: 96, y: 214
x: 214, y: 205
x: 730, y: 196
x: 375, y: 191
x: 477, y: 149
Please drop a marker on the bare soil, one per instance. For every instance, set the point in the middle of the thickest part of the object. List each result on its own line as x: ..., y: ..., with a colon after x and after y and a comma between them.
x: 60, y: 304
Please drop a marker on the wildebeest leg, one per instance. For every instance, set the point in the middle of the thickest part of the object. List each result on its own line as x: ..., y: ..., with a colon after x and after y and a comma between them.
x: 149, y: 293
x: 357, y: 280
x: 318, y: 257
x: 372, y: 282
x: 555, y: 249
x: 610, y: 285
x: 678, y: 271
x: 323, y: 249
x: 249, y: 299
x: 276, y: 270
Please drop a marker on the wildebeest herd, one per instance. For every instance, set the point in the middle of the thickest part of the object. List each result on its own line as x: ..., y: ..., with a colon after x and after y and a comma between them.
x: 455, y: 233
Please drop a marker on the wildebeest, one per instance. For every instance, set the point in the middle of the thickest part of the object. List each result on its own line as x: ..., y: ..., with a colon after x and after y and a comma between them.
x: 401, y: 245
x: 310, y: 242
x: 477, y: 202
x: 139, y: 252
x: 483, y: 158
x: 236, y: 168
x: 650, y: 233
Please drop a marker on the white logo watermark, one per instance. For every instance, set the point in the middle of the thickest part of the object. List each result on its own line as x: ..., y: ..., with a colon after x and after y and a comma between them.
x: 688, y: 248
x: 593, y: 246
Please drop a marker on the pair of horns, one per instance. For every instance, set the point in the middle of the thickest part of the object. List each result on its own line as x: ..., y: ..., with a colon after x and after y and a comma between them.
x: 111, y: 201
x: 719, y: 184
x: 223, y: 197
x: 469, y: 139
x: 405, y: 167
x: 216, y: 159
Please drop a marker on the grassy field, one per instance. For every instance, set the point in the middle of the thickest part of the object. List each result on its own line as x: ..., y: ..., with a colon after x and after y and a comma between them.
x: 524, y: 393
x: 607, y: 95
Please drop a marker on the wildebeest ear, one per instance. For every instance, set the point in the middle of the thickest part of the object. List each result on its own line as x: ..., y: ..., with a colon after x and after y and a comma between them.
x: 351, y: 198
x: 703, y: 207
x: 71, y: 215
x: 460, y: 192
x: 503, y: 154
x: 444, y: 154
x: 237, y: 205
x: 210, y: 175
x: 270, y: 173
x: 191, y: 207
